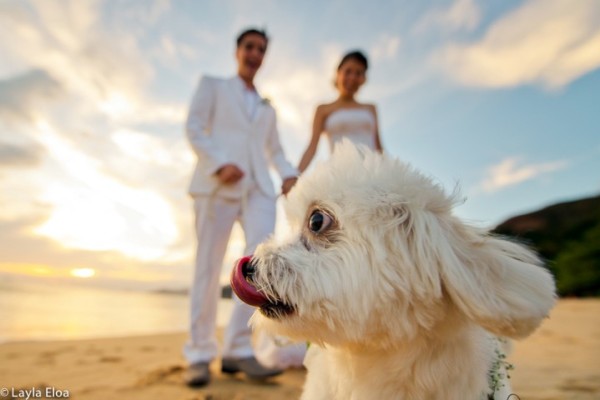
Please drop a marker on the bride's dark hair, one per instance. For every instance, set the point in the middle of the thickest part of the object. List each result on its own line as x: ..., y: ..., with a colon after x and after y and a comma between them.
x: 355, y: 55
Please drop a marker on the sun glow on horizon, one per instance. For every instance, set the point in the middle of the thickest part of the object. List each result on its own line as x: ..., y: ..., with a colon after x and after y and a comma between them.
x: 84, y: 273
x: 28, y: 269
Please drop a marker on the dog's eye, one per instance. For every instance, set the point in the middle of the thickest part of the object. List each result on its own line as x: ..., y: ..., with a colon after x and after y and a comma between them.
x: 318, y: 221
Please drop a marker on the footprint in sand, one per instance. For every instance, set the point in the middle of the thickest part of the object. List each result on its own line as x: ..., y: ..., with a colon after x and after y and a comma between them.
x: 47, y: 358
x: 171, y: 374
x: 110, y: 359
x: 590, y: 385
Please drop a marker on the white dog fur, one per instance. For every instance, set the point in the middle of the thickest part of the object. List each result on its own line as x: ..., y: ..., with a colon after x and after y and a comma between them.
x: 398, y: 298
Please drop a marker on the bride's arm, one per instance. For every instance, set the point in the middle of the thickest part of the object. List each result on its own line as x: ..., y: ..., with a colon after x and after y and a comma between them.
x: 378, y: 145
x: 318, y: 127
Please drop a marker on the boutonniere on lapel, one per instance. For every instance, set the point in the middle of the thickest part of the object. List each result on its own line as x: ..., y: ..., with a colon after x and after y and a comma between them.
x: 265, y: 101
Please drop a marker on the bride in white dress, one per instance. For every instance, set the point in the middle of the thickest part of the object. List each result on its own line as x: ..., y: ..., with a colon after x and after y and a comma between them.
x: 344, y: 118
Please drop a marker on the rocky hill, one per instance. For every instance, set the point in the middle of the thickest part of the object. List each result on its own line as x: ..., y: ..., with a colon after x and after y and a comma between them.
x: 567, y: 235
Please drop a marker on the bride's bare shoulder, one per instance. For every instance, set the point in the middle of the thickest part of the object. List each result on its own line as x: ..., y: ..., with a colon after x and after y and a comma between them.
x: 324, y: 110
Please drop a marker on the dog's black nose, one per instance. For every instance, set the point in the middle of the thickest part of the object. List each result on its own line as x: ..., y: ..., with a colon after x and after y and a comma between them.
x: 248, y: 269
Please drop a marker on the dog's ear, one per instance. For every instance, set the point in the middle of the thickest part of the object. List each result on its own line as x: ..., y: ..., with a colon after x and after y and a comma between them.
x: 498, y: 284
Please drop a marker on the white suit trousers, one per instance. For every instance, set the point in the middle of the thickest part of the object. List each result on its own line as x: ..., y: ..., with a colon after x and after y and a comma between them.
x: 215, y: 217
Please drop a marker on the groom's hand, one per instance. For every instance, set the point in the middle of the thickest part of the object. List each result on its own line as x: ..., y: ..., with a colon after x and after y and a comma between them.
x: 229, y: 173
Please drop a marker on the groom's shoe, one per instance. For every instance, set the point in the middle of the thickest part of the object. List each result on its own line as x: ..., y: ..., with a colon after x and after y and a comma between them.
x: 197, y: 375
x: 248, y: 366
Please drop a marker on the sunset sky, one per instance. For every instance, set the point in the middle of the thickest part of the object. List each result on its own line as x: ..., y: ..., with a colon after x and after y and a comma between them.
x: 500, y: 97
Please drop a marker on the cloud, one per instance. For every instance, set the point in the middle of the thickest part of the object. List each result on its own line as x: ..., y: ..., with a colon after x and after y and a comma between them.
x: 122, y: 205
x: 22, y: 95
x: 509, y: 172
x: 94, y: 193
x: 148, y: 13
x: 173, y: 53
x: 462, y: 15
x: 95, y: 211
x: 102, y: 66
x: 12, y: 155
x: 545, y: 42
x: 385, y: 48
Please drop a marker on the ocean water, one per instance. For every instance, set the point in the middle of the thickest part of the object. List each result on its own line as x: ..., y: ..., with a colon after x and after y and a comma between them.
x: 55, y: 311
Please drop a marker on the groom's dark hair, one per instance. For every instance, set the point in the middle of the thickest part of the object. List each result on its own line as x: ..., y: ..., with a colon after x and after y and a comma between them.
x: 251, y: 31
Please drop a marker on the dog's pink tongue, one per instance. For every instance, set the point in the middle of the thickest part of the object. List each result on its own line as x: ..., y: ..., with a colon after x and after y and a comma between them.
x: 242, y: 288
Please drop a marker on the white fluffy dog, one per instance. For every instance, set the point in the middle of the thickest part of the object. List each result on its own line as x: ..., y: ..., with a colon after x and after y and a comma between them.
x: 398, y: 298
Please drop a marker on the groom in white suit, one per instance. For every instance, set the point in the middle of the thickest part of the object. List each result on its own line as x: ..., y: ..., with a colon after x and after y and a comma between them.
x: 233, y: 132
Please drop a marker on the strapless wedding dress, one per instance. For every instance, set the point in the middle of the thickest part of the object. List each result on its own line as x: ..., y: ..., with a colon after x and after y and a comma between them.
x: 355, y: 124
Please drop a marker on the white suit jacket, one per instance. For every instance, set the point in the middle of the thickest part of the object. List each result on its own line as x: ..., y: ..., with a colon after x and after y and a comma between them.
x: 221, y: 132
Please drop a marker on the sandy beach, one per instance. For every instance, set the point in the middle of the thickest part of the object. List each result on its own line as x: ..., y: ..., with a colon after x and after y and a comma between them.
x: 561, y: 361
